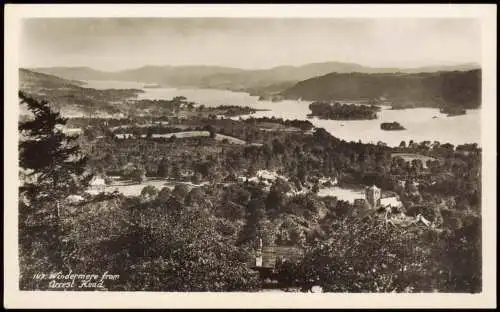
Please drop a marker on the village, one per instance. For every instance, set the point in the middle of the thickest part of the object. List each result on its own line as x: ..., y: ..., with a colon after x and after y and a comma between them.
x: 252, y: 155
x: 146, y: 157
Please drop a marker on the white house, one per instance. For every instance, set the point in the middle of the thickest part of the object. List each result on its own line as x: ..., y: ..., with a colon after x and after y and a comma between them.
x: 269, y: 176
x: 74, y: 198
x: 421, y: 218
x: 96, y: 185
x: 392, y: 202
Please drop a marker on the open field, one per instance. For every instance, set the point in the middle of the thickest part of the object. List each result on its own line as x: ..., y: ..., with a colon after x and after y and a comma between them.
x: 188, y: 134
x: 129, y: 188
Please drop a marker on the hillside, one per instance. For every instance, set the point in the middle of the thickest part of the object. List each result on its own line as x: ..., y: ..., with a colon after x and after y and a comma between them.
x: 163, y: 75
x: 74, y: 73
x: 440, y: 89
x: 69, y: 96
x: 263, y: 81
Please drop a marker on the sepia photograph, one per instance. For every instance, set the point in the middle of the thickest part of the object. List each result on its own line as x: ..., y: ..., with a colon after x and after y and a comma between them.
x: 264, y: 155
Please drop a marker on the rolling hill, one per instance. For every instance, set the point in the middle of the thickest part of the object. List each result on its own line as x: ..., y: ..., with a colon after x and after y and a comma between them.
x: 69, y: 96
x: 437, y: 89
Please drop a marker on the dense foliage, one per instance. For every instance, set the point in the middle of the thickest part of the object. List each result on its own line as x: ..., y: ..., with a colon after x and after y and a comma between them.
x: 440, y: 89
x: 339, y: 111
x: 71, y: 95
x: 51, y: 168
x: 202, y: 238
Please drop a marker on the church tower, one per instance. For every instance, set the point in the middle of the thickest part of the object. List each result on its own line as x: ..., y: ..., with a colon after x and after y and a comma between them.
x: 373, y: 196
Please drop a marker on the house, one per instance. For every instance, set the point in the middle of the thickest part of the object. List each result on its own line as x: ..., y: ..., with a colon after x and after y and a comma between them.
x: 268, y: 257
x: 186, y: 173
x: 327, y: 181
x: 269, y: 176
x: 74, y: 199
x: 401, y: 184
x: 405, y: 221
x: 392, y: 202
x: 96, y: 185
x: 122, y: 136
x: 161, y: 123
x: 372, y: 194
x: 420, y: 218
x: 372, y: 203
x: 72, y: 131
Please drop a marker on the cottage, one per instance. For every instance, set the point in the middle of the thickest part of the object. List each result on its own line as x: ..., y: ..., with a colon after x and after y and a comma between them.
x: 186, y: 173
x: 420, y: 218
x: 72, y: 131
x: 372, y: 194
x: 392, y: 202
x: 73, y: 199
x: 268, y: 257
x: 406, y: 221
x: 269, y: 176
x: 96, y: 185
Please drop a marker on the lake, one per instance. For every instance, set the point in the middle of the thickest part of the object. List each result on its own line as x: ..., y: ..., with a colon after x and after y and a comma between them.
x: 422, y: 124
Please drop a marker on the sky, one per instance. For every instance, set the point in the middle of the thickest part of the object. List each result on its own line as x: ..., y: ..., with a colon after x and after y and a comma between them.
x: 249, y: 43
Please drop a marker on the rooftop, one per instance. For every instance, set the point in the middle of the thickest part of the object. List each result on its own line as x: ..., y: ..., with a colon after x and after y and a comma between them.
x: 373, y: 187
x: 272, y: 253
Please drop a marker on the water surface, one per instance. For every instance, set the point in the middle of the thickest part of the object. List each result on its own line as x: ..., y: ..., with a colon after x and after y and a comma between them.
x: 422, y: 124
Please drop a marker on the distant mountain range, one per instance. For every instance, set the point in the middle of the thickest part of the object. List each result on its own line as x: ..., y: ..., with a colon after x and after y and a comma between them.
x: 435, y: 86
x: 253, y: 81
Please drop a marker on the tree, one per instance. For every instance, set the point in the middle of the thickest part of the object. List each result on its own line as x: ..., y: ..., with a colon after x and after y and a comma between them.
x: 176, y: 171
x: 49, y: 157
x: 197, y: 198
x: 458, y: 256
x: 149, y: 133
x: 315, y: 188
x: 188, y: 254
x: 149, y: 191
x: 172, y: 138
x: 51, y: 169
x: 196, y: 178
x: 179, y: 99
x: 162, y: 169
x: 180, y: 192
x: 256, y: 215
x: 369, y: 257
x: 276, y: 195
x: 138, y: 175
x: 164, y: 194
x: 211, y: 131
